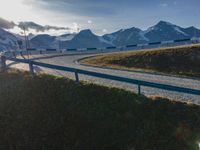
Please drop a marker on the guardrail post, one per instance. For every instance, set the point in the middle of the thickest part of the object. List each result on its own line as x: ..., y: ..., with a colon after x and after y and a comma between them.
x: 14, y: 54
x: 3, y: 63
x: 139, y: 89
x: 76, y: 76
x: 31, y: 69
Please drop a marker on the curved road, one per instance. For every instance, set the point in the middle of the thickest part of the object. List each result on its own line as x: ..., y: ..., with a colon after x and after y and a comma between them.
x: 70, y: 61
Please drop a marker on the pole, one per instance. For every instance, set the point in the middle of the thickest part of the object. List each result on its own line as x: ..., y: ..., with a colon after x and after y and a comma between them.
x: 3, y: 63
x: 139, y: 89
x: 31, y: 69
x: 26, y: 44
x: 76, y: 76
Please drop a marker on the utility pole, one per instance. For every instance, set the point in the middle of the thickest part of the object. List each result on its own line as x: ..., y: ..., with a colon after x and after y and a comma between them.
x: 26, y: 44
x: 59, y: 45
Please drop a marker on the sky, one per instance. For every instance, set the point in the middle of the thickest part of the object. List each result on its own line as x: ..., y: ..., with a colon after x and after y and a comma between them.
x: 101, y: 16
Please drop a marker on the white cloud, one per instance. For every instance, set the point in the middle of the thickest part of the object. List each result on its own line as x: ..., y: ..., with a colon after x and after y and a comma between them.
x: 164, y: 5
x: 52, y: 32
x: 104, y: 31
x: 90, y: 21
x: 15, y: 10
x: 76, y: 27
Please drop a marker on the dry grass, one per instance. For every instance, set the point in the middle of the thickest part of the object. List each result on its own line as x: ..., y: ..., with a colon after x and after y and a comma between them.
x: 181, y: 60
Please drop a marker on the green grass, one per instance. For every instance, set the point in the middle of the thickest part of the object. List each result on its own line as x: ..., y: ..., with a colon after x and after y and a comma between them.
x: 44, y: 112
x: 182, y: 60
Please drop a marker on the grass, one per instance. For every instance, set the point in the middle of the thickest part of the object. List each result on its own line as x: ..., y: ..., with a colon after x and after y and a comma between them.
x: 182, y: 60
x: 45, y: 112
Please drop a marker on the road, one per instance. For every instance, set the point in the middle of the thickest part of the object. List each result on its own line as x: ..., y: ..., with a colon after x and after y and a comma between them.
x: 70, y: 61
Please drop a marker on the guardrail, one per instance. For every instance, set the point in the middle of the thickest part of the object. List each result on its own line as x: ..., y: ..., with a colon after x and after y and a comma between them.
x: 139, y: 83
x: 122, y: 47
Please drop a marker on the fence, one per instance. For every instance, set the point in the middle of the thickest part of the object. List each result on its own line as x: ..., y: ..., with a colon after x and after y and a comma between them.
x: 123, y: 47
x: 76, y: 72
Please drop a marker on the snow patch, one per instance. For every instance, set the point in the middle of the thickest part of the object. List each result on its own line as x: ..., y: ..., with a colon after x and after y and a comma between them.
x: 142, y: 35
x: 150, y: 29
x: 130, y: 36
x: 168, y: 23
x: 65, y: 38
x: 179, y: 31
x: 112, y: 38
x: 101, y: 39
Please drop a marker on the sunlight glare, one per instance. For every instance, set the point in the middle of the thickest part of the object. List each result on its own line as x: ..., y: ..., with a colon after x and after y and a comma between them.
x: 15, y: 10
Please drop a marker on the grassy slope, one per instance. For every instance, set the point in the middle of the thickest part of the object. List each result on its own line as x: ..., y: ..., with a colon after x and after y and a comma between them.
x: 49, y: 113
x: 183, y: 60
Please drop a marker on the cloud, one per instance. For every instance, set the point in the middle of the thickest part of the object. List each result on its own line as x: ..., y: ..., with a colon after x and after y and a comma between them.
x: 77, y: 7
x: 39, y: 28
x: 6, y: 24
x: 76, y: 27
x: 164, y: 5
x: 104, y: 31
x: 90, y: 21
x: 35, y: 28
x: 32, y: 27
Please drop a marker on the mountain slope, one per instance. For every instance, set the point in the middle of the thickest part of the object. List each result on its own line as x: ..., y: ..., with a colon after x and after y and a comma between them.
x: 66, y: 37
x: 7, y: 40
x: 43, y: 41
x: 126, y: 37
x: 85, y: 39
x: 164, y: 31
x: 192, y: 31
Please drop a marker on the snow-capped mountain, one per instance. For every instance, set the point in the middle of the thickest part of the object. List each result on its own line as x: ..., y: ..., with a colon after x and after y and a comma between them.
x: 162, y: 31
x: 7, y: 40
x: 85, y: 39
x: 126, y: 37
x: 192, y: 31
x: 66, y: 37
x: 43, y: 41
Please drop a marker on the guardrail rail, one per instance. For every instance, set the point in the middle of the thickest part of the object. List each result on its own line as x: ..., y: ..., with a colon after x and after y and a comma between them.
x: 76, y: 72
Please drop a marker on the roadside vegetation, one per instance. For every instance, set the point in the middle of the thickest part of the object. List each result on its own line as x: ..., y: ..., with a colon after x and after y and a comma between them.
x: 45, y: 112
x: 182, y: 60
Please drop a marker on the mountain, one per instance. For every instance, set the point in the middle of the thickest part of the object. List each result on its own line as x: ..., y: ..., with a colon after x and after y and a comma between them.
x: 126, y: 37
x: 192, y: 31
x: 162, y: 31
x: 7, y: 40
x: 85, y: 39
x: 66, y: 37
x: 43, y: 41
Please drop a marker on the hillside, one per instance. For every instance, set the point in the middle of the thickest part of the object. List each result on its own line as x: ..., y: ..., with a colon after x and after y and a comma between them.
x: 184, y: 60
x: 47, y: 112
x: 8, y: 41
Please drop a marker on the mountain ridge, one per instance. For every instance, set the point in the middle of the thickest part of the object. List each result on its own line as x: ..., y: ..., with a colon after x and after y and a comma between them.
x: 162, y: 31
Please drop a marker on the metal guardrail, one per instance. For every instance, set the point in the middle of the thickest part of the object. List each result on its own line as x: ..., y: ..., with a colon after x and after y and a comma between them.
x: 134, y: 45
x: 101, y: 75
